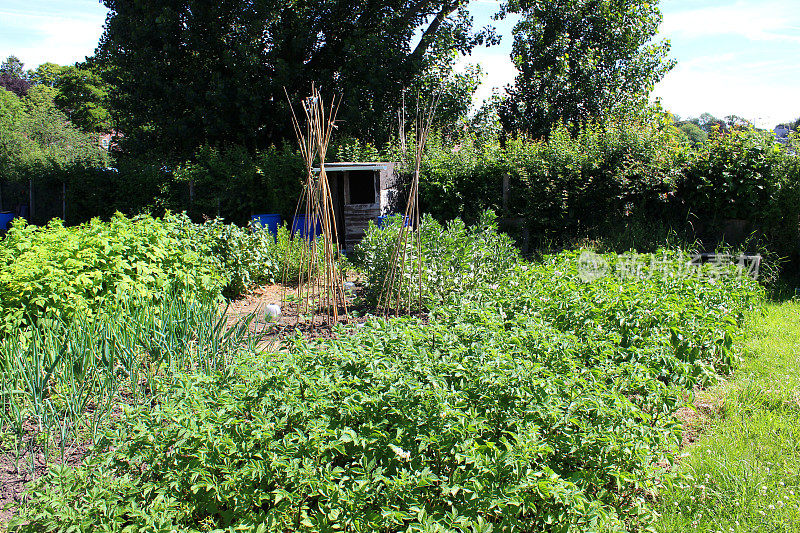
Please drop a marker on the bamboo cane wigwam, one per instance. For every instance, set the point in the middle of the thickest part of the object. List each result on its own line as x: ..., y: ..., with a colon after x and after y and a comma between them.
x: 402, y: 287
x: 320, y: 288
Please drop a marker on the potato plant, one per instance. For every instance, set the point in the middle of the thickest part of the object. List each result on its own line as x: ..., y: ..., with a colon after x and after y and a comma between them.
x: 528, y: 400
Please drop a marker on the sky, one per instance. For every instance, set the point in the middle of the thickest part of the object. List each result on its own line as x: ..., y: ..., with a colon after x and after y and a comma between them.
x: 737, y: 57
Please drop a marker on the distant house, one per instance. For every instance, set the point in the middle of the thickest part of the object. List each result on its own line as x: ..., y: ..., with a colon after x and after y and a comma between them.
x: 106, y: 140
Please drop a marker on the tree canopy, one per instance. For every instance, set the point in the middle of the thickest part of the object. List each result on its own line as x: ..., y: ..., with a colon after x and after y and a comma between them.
x: 581, y: 59
x: 13, y: 76
x: 188, y: 73
x: 38, y: 138
x: 83, y: 96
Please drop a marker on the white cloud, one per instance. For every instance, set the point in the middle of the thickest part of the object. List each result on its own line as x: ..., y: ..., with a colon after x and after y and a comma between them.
x: 757, y: 21
x: 59, y: 39
x: 735, y: 58
x: 691, y: 91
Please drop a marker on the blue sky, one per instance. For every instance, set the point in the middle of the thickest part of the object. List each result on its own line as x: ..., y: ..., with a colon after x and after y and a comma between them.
x: 734, y: 56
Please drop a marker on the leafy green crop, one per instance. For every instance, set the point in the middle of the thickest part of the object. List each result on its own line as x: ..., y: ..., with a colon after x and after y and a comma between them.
x: 456, y: 259
x: 61, y: 271
x: 528, y: 400
x: 58, y: 271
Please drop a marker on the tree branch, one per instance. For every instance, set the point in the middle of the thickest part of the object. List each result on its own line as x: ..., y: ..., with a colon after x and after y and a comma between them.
x: 430, y: 32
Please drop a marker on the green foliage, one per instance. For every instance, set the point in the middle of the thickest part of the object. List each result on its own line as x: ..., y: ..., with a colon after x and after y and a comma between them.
x: 13, y: 66
x: 580, y: 60
x: 83, y: 95
x: 456, y: 258
x: 61, y: 380
x: 733, y: 176
x: 250, y: 256
x: 47, y: 74
x: 605, y: 171
x: 183, y: 80
x: 230, y: 181
x: 529, y: 401
x: 693, y: 133
x: 37, y: 141
x: 461, y: 180
x: 60, y: 271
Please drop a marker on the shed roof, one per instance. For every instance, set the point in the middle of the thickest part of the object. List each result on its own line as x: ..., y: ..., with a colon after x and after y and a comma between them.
x: 343, y: 166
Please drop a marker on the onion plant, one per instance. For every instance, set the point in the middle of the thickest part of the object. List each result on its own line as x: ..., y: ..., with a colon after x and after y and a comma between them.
x: 60, y: 380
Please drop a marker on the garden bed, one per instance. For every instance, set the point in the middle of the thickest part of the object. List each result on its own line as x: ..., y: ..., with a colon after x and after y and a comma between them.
x: 531, y: 394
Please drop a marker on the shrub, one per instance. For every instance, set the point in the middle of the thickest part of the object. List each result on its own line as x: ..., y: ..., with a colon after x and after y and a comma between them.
x: 247, y: 256
x: 60, y: 271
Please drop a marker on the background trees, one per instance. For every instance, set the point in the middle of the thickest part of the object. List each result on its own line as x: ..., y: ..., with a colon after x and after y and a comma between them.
x: 189, y: 73
x: 83, y: 96
x: 13, y: 76
x: 580, y: 60
x: 37, y: 138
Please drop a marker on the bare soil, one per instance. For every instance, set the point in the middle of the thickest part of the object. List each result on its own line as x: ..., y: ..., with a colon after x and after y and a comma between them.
x: 291, y: 319
x: 16, y: 474
x: 696, y: 416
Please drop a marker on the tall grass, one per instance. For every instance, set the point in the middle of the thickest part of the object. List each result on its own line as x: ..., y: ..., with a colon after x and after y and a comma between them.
x: 744, y: 474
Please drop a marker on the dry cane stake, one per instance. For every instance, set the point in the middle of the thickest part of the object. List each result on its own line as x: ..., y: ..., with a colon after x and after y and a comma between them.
x: 308, y: 152
x: 324, y: 282
x: 393, y: 285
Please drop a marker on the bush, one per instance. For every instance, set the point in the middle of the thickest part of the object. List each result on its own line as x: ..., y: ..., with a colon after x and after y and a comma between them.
x: 247, y: 256
x: 253, y: 256
x: 60, y: 271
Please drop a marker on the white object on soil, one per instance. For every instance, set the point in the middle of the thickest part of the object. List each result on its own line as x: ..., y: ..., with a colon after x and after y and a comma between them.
x: 272, y: 311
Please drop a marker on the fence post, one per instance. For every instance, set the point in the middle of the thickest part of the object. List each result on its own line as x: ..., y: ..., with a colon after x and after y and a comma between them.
x: 506, y: 187
x: 31, y: 203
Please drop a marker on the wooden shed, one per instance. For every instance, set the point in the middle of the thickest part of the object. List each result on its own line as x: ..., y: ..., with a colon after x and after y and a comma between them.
x: 361, y: 192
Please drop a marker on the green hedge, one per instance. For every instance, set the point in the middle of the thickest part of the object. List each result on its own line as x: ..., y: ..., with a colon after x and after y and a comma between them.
x: 635, y: 177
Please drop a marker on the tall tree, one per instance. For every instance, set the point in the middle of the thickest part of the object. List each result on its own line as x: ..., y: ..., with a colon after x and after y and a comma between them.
x: 580, y: 59
x: 194, y: 72
x: 47, y: 74
x: 13, y: 76
x: 83, y: 96
x: 13, y: 66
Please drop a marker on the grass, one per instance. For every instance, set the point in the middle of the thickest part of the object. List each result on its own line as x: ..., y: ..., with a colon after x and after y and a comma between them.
x: 744, y: 474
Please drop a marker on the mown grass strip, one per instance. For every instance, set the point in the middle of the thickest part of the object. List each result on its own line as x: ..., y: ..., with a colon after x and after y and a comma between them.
x: 744, y: 475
